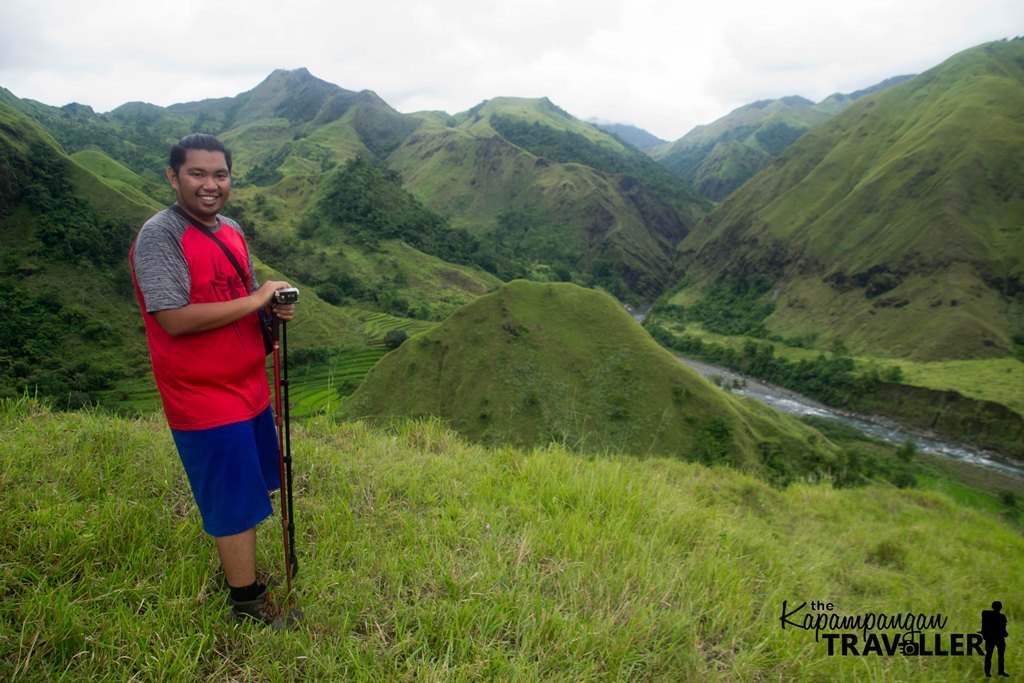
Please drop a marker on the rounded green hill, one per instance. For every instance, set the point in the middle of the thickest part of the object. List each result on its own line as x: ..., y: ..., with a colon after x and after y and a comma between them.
x: 538, y: 362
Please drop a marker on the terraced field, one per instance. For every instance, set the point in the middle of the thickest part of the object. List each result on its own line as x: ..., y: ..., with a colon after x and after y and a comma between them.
x: 318, y: 388
x: 376, y: 325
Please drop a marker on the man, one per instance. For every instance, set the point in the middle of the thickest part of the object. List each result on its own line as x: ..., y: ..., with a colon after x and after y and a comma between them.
x: 200, y: 309
x: 993, y: 630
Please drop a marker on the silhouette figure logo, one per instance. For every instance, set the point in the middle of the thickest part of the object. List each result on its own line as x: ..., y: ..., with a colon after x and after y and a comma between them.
x: 993, y: 630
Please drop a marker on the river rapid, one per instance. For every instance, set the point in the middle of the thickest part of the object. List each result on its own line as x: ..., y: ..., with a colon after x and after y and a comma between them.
x: 876, y: 427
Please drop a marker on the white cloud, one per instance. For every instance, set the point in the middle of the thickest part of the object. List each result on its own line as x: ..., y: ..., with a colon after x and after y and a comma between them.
x: 665, y: 65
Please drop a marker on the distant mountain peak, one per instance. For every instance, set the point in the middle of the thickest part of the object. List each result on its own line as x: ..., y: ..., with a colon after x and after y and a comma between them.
x: 295, y: 78
x: 638, y: 137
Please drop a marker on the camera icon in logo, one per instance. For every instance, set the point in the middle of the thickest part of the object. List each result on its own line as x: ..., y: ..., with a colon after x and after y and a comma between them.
x: 908, y: 647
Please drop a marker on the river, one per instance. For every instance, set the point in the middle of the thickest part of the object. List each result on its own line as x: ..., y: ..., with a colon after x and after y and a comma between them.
x: 877, y: 427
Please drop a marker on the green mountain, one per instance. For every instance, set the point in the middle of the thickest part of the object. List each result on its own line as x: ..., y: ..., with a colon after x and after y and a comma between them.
x: 551, y: 196
x: 533, y: 363
x: 549, y: 189
x: 638, y: 137
x: 317, y: 189
x: 894, y: 228
x: 719, y: 157
x: 67, y: 328
x: 70, y: 329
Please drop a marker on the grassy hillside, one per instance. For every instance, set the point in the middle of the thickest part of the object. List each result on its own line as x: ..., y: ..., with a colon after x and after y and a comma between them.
x: 895, y: 226
x: 534, y: 363
x: 555, y: 196
x: 71, y: 329
x: 719, y: 157
x: 546, y: 188
x: 426, y: 558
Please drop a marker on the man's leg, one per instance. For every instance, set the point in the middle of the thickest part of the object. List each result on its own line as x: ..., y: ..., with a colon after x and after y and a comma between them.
x: 238, y: 556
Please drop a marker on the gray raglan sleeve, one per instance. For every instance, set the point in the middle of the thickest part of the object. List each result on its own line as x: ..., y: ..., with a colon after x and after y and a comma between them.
x: 160, y: 267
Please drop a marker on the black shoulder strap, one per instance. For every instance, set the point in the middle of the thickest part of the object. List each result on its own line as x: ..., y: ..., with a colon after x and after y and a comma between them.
x: 223, y: 247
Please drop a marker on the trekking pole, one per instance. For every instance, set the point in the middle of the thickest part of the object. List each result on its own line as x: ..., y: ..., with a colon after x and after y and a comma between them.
x: 284, y: 445
x: 279, y: 420
x: 293, y: 560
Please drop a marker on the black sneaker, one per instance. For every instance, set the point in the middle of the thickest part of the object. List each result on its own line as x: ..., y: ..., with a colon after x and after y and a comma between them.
x: 264, y: 610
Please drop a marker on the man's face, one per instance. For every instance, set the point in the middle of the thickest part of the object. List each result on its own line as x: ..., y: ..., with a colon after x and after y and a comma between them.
x: 202, y: 184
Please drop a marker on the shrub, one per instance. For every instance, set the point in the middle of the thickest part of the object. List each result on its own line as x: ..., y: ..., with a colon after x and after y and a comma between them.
x: 395, y: 338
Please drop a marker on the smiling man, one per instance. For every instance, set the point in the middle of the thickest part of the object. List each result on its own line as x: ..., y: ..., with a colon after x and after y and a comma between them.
x: 200, y: 308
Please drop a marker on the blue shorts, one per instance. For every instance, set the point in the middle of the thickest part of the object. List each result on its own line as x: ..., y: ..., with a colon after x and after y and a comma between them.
x: 231, y: 470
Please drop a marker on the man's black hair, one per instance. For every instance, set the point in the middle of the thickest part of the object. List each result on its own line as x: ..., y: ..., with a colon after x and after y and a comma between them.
x: 203, y: 141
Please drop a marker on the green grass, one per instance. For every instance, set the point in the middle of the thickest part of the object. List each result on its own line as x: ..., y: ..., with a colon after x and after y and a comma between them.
x: 426, y: 558
x: 1000, y: 380
x: 536, y: 362
x: 314, y: 388
x: 992, y: 379
x: 893, y: 226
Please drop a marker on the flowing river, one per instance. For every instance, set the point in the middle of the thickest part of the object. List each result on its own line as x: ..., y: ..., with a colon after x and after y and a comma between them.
x: 879, y: 428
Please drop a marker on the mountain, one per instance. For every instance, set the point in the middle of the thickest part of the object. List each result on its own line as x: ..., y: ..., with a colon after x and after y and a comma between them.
x: 70, y: 329
x: 541, y: 192
x: 895, y: 227
x: 551, y: 196
x: 67, y: 329
x: 336, y: 196
x: 719, y: 157
x: 550, y: 189
x: 538, y: 362
x: 638, y: 137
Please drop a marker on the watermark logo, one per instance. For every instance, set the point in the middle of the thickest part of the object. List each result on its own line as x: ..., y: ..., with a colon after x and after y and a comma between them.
x: 877, y: 634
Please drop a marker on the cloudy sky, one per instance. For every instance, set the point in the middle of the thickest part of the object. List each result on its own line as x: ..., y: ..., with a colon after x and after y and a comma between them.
x: 663, y: 65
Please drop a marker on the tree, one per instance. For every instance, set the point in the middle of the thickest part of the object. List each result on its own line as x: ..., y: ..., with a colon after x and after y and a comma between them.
x: 395, y: 338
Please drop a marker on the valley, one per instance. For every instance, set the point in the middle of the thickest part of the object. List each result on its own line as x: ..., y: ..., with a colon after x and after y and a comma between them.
x: 504, y: 470
x: 860, y: 260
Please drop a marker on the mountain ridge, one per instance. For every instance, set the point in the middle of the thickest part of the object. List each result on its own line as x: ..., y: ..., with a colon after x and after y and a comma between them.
x: 720, y: 156
x: 873, y: 218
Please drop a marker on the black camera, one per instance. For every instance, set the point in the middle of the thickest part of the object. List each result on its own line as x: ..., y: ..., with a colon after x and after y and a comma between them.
x: 288, y: 295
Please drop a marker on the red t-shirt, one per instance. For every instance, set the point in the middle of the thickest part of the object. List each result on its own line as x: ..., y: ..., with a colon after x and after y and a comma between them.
x: 206, y: 379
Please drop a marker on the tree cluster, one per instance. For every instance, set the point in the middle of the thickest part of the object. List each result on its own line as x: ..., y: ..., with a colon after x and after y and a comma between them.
x: 834, y: 380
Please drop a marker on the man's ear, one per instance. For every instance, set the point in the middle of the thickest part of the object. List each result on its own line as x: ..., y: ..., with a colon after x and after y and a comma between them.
x: 172, y: 177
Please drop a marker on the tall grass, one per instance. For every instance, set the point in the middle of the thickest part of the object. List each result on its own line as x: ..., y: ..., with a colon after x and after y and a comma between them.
x: 426, y: 558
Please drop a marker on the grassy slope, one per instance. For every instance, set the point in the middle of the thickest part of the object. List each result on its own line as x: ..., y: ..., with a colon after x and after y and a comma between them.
x: 989, y: 379
x: 719, y: 157
x: 425, y: 558
x: 472, y: 175
x: 892, y: 225
x: 536, y: 362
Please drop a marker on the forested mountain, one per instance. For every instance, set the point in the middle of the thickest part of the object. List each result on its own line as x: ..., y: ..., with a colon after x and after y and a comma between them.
x: 719, y: 157
x: 890, y: 228
x: 67, y: 327
x: 638, y: 137
x: 546, y: 188
x: 895, y: 227
x: 543, y: 191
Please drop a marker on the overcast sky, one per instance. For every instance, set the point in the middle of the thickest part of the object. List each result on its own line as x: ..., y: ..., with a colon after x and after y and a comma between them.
x: 663, y: 65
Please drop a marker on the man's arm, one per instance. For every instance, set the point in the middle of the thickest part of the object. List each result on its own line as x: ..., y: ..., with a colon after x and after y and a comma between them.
x: 210, y: 316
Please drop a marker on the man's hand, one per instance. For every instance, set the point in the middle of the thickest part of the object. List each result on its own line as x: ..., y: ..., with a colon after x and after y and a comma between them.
x: 202, y: 317
x: 285, y: 312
